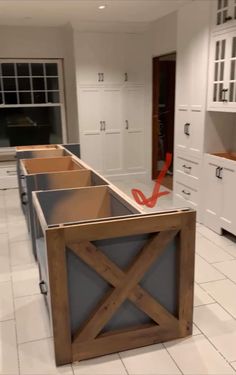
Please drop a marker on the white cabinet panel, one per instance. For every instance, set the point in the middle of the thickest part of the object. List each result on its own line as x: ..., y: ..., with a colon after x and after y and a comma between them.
x: 228, y: 201
x: 196, y: 130
x: 111, y: 103
x: 182, y: 131
x: 212, y: 193
x: 133, y: 104
x: 90, y: 112
x: 133, y: 151
x: 92, y: 150
x: 90, y: 58
x: 112, y: 152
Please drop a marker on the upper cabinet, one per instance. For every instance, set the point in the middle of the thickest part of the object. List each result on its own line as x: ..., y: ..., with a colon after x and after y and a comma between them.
x: 109, y: 59
x: 223, y: 14
x: 222, y: 72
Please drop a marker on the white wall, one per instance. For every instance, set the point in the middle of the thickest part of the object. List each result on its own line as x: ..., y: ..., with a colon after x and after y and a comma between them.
x: 37, y: 42
x: 163, y: 33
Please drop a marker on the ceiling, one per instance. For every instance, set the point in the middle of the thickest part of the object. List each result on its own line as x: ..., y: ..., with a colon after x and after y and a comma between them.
x: 84, y: 12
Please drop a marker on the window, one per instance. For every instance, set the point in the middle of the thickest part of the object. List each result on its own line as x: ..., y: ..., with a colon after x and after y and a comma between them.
x: 31, y: 102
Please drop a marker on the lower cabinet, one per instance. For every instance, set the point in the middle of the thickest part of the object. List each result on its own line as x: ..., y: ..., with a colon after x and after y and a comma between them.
x: 187, y: 173
x: 219, y: 189
x: 8, y: 175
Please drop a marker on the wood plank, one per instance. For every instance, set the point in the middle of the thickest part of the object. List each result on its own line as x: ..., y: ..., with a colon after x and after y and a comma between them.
x: 123, y: 340
x: 141, y: 264
x: 51, y: 164
x: 113, y: 274
x: 57, y: 268
x: 150, y: 223
x: 186, y: 272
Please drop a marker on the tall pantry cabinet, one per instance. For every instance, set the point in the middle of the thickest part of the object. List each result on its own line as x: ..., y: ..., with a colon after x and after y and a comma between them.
x: 191, y: 91
x: 111, y: 101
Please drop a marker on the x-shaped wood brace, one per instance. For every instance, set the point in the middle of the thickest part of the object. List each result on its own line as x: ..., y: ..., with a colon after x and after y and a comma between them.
x: 125, y: 284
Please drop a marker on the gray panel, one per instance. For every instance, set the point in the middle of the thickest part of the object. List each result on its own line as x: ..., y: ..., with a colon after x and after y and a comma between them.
x: 49, y: 199
x: 74, y: 148
x: 97, y: 180
x: 118, y: 208
x: 87, y: 288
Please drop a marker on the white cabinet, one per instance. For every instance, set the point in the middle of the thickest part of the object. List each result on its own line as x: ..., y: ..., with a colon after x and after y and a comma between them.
x: 101, y: 128
x: 8, y: 175
x: 222, y: 73
x: 109, y: 58
x: 212, y: 193
x: 133, y: 123
x: 191, y: 77
x: 111, y: 123
x: 228, y: 202
x: 220, y: 186
x: 223, y: 14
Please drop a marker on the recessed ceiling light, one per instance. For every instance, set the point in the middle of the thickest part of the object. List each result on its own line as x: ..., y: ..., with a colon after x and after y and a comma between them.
x: 102, y: 7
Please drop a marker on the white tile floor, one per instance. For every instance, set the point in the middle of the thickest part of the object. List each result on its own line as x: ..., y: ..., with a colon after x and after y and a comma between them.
x: 26, y: 345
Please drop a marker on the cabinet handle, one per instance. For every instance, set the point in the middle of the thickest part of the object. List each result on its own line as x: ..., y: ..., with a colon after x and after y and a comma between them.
x: 218, y: 172
x: 186, y: 167
x: 102, y: 77
x: 126, y: 77
x: 23, y: 200
x: 186, y: 192
x: 104, y: 125
x: 126, y: 124
x: 220, y: 175
x: 99, y: 77
x: 186, y: 128
x: 43, y: 287
x: 225, y: 91
x: 101, y: 126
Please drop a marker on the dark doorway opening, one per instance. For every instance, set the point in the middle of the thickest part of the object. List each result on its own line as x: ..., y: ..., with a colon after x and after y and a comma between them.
x: 163, y: 109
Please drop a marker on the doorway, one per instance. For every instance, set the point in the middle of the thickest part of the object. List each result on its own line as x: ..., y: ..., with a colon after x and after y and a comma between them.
x: 163, y: 109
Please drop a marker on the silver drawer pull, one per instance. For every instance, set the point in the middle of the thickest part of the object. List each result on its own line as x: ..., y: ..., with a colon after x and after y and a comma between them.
x: 186, y: 192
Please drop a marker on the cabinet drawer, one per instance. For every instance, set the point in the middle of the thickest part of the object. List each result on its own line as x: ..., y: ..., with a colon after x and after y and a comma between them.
x: 185, y: 195
x: 7, y: 170
x: 188, y: 166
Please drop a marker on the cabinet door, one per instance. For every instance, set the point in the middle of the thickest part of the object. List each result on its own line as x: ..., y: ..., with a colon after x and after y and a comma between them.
x: 212, y: 193
x: 223, y: 14
x: 231, y: 93
x: 228, y: 205
x: 92, y: 150
x: 112, y: 133
x: 90, y: 117
x: 182, y: 129
x: 134, y: 58
x: 196, y: 130
x: 218, y: 72
x: 133, y: 124
x: 90, y: 57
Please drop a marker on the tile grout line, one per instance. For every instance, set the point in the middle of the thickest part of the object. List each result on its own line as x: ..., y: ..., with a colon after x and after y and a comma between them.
x: 126, y: 370
x: 218, y: 351
x: 215, y: 301
x: 219, y: 246
x: 181, y: 372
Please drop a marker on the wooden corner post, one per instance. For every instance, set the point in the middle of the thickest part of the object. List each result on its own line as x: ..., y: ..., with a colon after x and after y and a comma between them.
x: 57, y: 266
